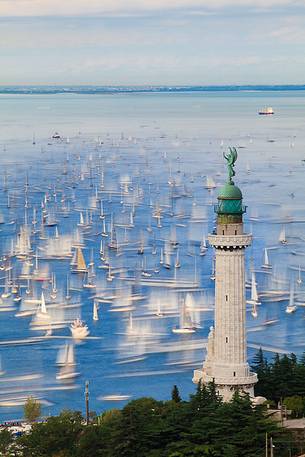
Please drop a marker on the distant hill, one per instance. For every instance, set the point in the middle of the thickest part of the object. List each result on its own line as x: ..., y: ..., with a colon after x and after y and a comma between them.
x: 142, y: 89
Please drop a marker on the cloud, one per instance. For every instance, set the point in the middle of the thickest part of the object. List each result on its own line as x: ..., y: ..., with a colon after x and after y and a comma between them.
x: 22, y: 8
x: 291, y: 31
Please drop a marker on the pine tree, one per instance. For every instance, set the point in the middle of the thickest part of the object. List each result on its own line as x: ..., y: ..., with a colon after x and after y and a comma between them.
x: 262, y: 369
x: 176, y: 395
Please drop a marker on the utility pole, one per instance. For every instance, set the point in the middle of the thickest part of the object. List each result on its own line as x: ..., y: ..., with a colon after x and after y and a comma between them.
x: 266, y: 446
x: 271, y: 447
x: 87, y: 401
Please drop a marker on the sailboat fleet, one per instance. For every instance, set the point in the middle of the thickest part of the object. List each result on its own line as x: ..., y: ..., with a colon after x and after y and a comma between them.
x: 86, y: 241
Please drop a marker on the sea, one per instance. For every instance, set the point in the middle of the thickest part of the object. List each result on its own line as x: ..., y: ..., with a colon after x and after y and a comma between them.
x: 145, y: 152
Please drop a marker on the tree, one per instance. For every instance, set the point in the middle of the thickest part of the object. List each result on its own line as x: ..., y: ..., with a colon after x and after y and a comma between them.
x: 58, y: 436
x: 91, y: 442
x: 32, y: 410
x: 176, y: 395
x: 6, y: 441
x: 295, y: 404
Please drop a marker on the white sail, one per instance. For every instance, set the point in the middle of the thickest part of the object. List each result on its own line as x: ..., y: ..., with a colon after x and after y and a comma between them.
x: 95, y: 311
x: 299, y: 280
x: 267, y: 264
x: 266, y: 258
x: 130, y: 323
x: 159, y: 312
x: 62, y: 355
x: 70, y: 355
x: 161, y: 256
x: 167, y: 258
x: 254, y: 295
x: 203, y: 246
x: 66, y: 359
x: 177, y: 263
x: 282, y: 237
x: 291, y: 308
x: 210, y: 183
x: 254, y: 310
x: 43, y: 308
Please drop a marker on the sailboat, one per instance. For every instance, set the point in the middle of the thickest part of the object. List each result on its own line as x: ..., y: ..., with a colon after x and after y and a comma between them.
x: 161, y: 256
x: 53, y: 293
x: 291, y: 307
x: 104, y: 231
x: 66, y: 360
x: 42, y: 316
x: 282, y: 237
x: 82, y: 222
x: 145, y: 271
x: 113, y: 244
x: 7, y: 293
x: 173, y: 237
x: 203, y: 246
x: 102, y: 214
x: 266, y: 265
x: 80, y: 265
x: 254, y: 295
x: 254, y: 310
x: 213, y: 274
x: 177, y: 263
x: 131, y: 219
x: 95, y: 310
x: 186, y: 325
x: 159, y: 312
x: 102, y: 250
x: 130, y: 328
x: 109, y: 276
x: 210, y: 183
x: 167, y: 258
x: 89, y: 278
x: 299, y: 280
x: 68, y: 295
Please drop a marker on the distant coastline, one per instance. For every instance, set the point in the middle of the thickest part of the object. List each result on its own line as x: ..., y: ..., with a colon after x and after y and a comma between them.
x: 62, y: 89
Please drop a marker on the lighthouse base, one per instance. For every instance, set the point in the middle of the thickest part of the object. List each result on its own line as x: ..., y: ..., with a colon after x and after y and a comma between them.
x: 227, y: 386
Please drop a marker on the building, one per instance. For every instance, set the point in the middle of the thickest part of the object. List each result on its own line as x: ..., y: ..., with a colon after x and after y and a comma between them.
x: 226, y: 360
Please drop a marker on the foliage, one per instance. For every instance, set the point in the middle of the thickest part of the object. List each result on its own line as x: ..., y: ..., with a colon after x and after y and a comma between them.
x: 204, y: 426
x: 295, y: 404
x: 176, y: 395
x: 6, y: 441
x: 58, y: 436
x: 32, y: 410
x: 279, y: 378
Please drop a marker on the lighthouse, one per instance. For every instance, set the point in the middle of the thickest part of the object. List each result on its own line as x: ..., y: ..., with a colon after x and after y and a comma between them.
x: 226, y: 360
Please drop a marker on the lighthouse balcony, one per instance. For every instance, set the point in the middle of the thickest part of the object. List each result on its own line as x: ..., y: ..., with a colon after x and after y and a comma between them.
x: 222, y: 241
x: 231, y: 380
x: 201, y: 375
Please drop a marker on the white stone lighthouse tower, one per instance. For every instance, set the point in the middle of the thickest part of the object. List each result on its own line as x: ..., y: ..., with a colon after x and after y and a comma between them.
x: 226, y: 360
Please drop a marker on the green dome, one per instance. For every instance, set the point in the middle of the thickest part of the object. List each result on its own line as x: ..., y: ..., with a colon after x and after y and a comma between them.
x: 230, y: 201
x: 230, y: 192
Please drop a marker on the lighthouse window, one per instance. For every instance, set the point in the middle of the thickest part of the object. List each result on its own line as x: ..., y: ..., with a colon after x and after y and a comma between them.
x: 234, y: 373
x: 223, y: 232
x: 226, y: 339
x: 226, y: 298
x: 235, y: 232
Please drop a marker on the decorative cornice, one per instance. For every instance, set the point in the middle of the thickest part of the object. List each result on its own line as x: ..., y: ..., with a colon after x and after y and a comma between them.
x: 235, y: 241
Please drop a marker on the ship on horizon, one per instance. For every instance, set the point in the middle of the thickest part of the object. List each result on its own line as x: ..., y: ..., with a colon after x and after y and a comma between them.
x: 266, y: 111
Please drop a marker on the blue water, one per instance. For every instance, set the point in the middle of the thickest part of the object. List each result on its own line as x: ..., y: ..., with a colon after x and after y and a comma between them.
x: 149, y: 137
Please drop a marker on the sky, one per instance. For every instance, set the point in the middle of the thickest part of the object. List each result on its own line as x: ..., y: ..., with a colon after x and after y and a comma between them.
x: 152, y: 42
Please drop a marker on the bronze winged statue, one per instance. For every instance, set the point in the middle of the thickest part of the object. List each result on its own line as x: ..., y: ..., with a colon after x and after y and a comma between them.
x: 231, y: 158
